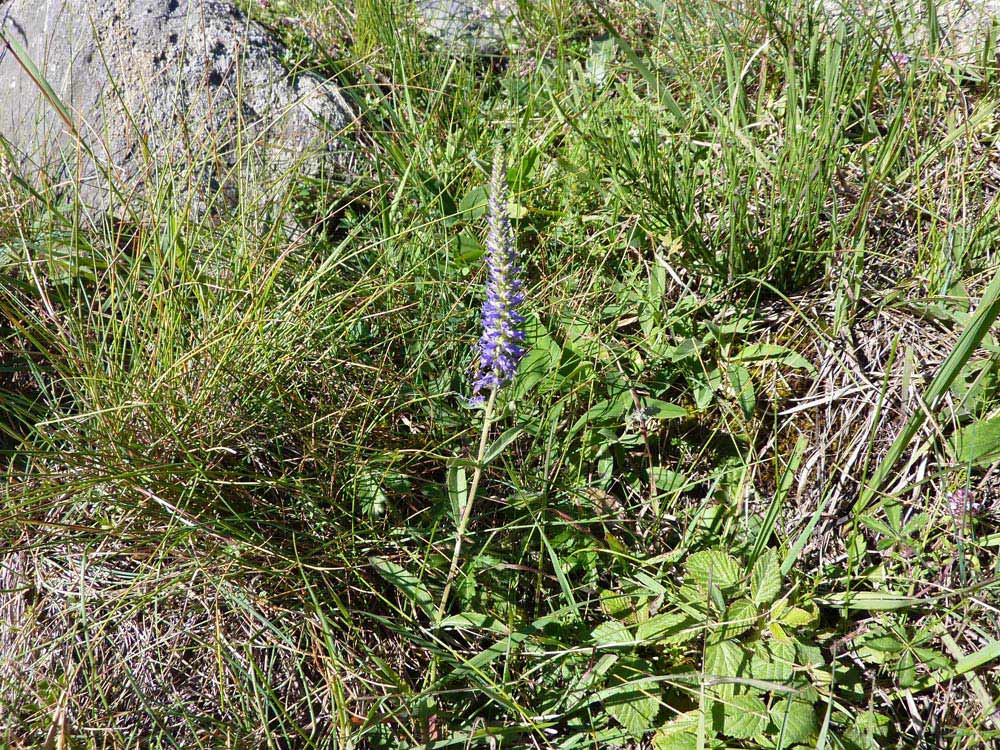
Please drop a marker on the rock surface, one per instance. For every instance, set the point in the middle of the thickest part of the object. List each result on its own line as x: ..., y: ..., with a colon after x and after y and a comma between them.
x: 963, y: 25
x: 191, y: 85
x: 467, y: 26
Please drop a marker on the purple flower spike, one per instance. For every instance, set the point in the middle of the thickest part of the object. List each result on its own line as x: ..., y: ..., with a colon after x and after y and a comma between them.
x: 501, y: 345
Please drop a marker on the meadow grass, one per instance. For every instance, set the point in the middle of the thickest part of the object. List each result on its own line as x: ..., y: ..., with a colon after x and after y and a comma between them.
x: 740, y: 494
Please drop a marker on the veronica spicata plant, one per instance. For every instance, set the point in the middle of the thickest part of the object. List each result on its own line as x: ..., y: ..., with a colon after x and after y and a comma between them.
x: 501, y: 345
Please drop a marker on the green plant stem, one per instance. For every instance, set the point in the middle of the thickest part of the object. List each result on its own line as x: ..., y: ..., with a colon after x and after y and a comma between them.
x: 463, y: 521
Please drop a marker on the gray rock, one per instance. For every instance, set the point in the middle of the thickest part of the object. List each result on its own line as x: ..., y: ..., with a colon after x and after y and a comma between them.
x: 185, y: 87
x: 963, y: 25
x: 467, y: 26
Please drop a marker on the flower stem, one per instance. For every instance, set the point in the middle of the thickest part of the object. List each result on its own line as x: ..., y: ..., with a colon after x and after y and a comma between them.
x: 463, y: 521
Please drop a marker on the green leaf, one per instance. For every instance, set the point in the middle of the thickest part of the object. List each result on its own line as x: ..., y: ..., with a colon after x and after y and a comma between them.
x: 458, y: 490
x: 679, y: 734
x: 723, y: 659
x: 656, y: 409
x: 667, y: 627
x: 906, y: 669
x: 474, y: 203
x: 634, y: 705
x: 873, y: 601
x: 611, y: 633
x: 978, y: 443
x: 742, y: 383
x: 409, y: 584
x: 719, y: 567
x: 757, y: 352
x: 607, y: 411
x: 765, y: 579
x: 773, y: 661
x: 886, y: 644
x: 516, y: 210
x: 508, y: 437
x: 741, y: 716
x: 738, y: 619
x: 794, y: 721
x: 796, y: 617
x: 371, y: 494
x: 474, y: 621
x: 615, y: 604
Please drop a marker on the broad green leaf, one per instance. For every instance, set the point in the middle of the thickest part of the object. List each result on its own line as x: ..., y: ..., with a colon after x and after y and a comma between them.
x: 886, y: 644
x: 773, y: 661
x: 474, y: 203
x: 470, y: 249
x: 606, y: 411
x: 667, y: 627
x: 668, y: 480
x: 906, y: 669
x: 408, y: 583
x: 371, y: 494
x: 635, y: 706
x: 611, y: 633
x: 739, y: 618
x: 719, y: 567
x: 765, y: 579
x: 742, y: 716
x: 796, y: 617
x: 616, y: 604
x: 794, y: 721
x: 723, y: 659
x: 516, y: 210
x: 978, y: 443
x: 656, y: 409
x: 679, y: 734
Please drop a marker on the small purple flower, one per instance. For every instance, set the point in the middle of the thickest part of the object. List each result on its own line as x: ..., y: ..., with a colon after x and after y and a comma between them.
x: 962, y: 502
x: 501, y: 344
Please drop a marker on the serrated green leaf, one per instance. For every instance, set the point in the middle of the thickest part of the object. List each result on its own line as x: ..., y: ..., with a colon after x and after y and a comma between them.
x: 668, y: 738
x: 616, y: 604
x: 739, y: 618
x: 794, y: 721
x: 773, y: 661
x: 408, y: 583
x: 742, y: 716
x: 723, y: 659
x: 765, y: 579
x: 611, y: 633
x: 713, y: 565
x: 634, y: 705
